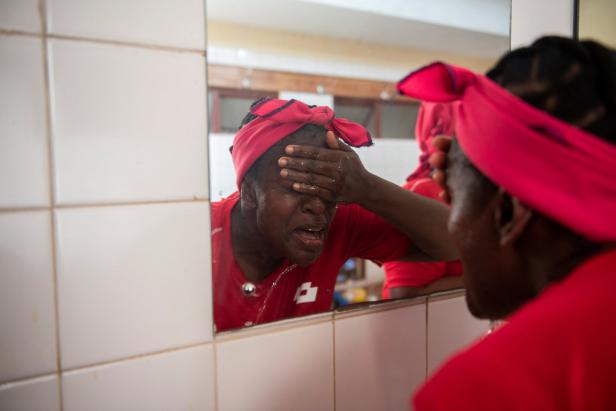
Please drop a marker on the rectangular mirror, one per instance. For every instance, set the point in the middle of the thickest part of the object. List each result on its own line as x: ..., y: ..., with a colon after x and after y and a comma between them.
x: 347, y: 55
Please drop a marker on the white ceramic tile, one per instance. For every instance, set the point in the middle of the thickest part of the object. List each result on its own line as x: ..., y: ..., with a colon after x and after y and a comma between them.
x: 39, y: 394
x: 129, y: 124
x: 451, y: 327
x: 160, y: 22
x: 380, y: 359
x: 23, y: 148
x: 285, y: 370
x: 20, y: 15
x: 178, y: 380
x: 132, y: 280
x: 27, y: 339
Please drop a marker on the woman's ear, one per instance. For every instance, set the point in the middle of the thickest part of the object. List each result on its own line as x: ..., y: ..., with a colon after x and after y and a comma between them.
x: 511, y: 217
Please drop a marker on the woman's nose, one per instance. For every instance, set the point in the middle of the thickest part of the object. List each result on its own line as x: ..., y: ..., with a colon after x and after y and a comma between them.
x: 314, y: 205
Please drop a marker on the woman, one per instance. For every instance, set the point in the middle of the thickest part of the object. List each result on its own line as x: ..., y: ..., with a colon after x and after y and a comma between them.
x: 279, y: 242
x: 532, y: 180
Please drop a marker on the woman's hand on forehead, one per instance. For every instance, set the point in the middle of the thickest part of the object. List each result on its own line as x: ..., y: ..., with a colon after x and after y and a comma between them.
x: 334, y: 173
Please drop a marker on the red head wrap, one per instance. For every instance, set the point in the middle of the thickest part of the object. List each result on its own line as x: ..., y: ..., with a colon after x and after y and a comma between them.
x: 555, y: 168
x: 276, y: 119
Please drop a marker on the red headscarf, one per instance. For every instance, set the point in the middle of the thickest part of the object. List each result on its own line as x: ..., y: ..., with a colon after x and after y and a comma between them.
x: 276, y: 119
x: 433, y: 119
x: 553, y: 167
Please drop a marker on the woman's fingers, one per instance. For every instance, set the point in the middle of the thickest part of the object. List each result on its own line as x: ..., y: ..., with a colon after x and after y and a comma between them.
x: 311, y: 179
x: 438, y: 160
x: 442, y: 142
x: 323, y: 168
x: 312, y: 152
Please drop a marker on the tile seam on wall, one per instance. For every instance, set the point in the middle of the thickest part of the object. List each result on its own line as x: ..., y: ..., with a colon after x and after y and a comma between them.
x: 42, y: 8
x: 274, y: 327
x: 94, y: 40
x: 121, y: 43
x: 381, y: 307
x: 23, y: 33
x: 71, y: 370
x: 130, y: 203
x: 98, y: 205
x: 215, y: 372
x: 26, y: 380
x: 24, y: 209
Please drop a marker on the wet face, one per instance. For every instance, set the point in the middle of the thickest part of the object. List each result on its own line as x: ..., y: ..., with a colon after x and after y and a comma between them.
x: 295, y: 225
x: 494, y: 274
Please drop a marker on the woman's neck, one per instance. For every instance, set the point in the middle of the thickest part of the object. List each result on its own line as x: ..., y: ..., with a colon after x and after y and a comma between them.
x: 251, y: 250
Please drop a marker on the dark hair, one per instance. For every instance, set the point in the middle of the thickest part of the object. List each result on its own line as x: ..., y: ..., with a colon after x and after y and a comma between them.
x: 574, y: 81
x: 254, y: 172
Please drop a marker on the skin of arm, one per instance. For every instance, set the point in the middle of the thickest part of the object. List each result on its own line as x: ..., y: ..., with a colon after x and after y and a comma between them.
x: 336, y: 174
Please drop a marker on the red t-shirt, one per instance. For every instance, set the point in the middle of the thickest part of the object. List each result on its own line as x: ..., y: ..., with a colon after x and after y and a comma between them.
x: 557, y: 353
x: 354, y: 232
x: 419, y: 274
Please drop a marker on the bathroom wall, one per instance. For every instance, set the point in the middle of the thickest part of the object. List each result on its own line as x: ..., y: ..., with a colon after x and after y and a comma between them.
x: 104, y: 215
x: 105, y: 300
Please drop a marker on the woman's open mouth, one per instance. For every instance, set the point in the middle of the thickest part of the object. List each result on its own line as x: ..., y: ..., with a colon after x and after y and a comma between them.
x: 310, y: 237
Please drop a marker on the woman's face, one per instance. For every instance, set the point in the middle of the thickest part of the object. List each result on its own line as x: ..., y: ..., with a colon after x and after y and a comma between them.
x: 295, y: 225
x: 494, y: 274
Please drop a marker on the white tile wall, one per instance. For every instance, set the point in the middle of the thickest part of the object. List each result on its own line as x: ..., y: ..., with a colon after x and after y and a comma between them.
x: 281, y: 371
x: 20, y: 15
x: 27, y: 339
x: 451, y: 327
x: 39, y: 394
x: 160, y: 22
x: 129, y: 123
x: 380, y: 359
x: 23, y: 147
x: 132, y: 280
x: 180, y: 381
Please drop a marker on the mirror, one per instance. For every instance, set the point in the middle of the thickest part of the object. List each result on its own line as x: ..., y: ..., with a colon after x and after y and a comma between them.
x: 596, y: 21
x: 347, y: 55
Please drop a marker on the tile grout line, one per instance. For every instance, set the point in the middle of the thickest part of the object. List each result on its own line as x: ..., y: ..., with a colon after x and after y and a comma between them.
x: 215, y: 373
x: 16, y: 32
x: 99, y: 205
x: 109, y: 42
x: 108, y: 362
x: 120, y: 43
x: 135, y: 357
x: 42, y: 10
x: 28, y: 378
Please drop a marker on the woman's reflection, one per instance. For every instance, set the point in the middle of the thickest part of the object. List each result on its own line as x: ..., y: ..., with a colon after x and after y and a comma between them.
x: 279, y: 242
x: 412, y: 278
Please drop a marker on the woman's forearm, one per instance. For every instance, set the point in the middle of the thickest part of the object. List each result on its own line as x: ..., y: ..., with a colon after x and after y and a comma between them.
x: 422, y: 219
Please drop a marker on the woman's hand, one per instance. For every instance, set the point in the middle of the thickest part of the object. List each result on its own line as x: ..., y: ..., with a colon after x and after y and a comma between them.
x: 438, y: 160
x: 335, y: 174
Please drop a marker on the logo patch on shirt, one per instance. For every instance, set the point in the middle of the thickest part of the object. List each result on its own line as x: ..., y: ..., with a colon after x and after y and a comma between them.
x: 306, y: 293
